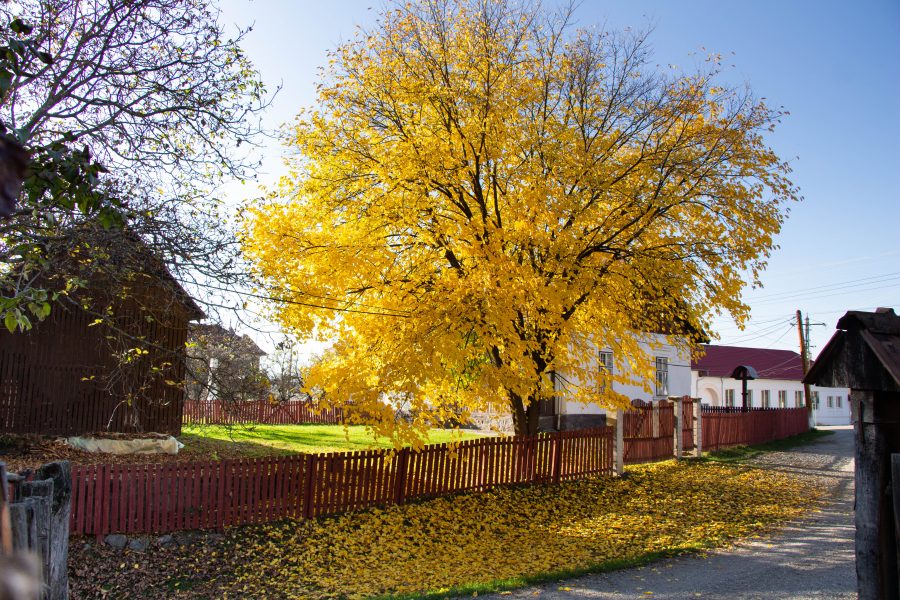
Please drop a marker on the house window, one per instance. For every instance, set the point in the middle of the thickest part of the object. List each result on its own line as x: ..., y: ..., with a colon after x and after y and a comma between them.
x: 729, y: 398
x: 815, y: 399
x: 839, y: 401
x: 605, y: 362
x: 765, y: 399
x: 798, y: 399
x: 662, y: 376
x: 830, y: 401
x: 749, y: 398
x: 782, y: 398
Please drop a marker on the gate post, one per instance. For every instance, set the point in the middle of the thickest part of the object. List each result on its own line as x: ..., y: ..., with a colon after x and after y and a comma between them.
x: 620, y: 442
x: 698, y: 428
x: 654, y: 419
x: 679, y: 436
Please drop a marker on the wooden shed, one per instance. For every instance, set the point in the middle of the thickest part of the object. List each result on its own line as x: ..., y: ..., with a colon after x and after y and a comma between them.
x: 864, y: 355
x: 110, y: 358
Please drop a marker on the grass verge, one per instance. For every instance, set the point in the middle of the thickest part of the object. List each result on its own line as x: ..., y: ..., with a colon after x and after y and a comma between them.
x: 742, y: 453
x: 268, y: 440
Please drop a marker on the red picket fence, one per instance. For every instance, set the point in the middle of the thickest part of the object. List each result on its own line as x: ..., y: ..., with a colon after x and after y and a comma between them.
x: 259, y: 412
x: 136, y: 499
x: 169, y: 497
x: 723, y: 427
x: 645, y: 442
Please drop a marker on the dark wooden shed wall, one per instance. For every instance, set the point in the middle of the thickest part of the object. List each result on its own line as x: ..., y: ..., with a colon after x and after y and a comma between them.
x: 60, y: 378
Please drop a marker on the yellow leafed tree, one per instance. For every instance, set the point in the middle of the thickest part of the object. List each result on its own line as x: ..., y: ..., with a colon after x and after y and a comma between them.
x: 484, y: 195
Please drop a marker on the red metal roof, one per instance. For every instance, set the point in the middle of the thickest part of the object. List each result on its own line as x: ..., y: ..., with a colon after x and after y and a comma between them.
x: 720, y: 361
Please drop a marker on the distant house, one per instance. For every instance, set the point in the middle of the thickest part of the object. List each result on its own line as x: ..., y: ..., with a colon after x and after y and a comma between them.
x: 778, y: 385
x: 672, y: 377
x: 223, y: 364
x: 109, y: 358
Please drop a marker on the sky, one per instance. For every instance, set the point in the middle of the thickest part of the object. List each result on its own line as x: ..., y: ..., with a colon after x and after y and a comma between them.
x: 832, y: 65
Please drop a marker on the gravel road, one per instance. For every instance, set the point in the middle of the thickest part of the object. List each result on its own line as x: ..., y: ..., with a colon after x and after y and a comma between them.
x: 810, y: 558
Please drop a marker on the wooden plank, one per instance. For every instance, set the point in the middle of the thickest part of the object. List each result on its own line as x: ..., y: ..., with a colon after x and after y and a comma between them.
x: 98, y: 498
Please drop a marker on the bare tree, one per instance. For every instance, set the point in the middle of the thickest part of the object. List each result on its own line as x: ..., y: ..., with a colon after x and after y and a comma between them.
x: 224, y: 366
x: 285, y: 374
x: 132, y: 112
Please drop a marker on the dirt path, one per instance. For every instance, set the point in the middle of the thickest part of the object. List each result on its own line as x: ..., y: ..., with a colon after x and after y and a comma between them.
x: 811, y: 558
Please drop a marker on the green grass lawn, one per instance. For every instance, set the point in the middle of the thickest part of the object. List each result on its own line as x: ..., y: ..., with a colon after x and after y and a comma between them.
x: 269, y: 440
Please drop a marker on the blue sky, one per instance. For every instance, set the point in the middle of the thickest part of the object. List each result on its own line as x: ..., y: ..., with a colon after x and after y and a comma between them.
x: 833, y: 65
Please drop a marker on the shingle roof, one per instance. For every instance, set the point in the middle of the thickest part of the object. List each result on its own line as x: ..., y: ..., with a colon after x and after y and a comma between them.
x: 720, y: 361
x: 879, y: 332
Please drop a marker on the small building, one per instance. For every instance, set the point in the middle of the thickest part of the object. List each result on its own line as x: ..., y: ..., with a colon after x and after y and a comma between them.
x: 223, y: 364
x: 779, y: 382
x: 110, y: 357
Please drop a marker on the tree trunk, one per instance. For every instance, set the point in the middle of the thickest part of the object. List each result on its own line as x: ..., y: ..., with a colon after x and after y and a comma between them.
x: 525, y: 418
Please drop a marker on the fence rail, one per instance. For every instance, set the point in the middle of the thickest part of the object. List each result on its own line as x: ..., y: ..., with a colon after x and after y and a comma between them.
x: 259, y: 412
x: 169, y: 497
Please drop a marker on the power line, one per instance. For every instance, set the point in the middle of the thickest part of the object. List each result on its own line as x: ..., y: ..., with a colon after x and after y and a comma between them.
x: 831, y: 293
x: 840, y: 284
x: 765, y: 332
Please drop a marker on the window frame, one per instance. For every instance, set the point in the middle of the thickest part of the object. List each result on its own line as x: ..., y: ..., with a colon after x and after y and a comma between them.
x: 662, y: 376
x: 604, y: 365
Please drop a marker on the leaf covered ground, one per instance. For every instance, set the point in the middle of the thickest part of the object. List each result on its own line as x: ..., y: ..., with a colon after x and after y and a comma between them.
x: 461, y: 544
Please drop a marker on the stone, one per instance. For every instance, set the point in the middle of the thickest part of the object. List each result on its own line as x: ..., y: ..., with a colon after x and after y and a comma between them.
x: 116, y: 540
x: 165, y: 540
x: 139, y: 544
x: 185, y: 538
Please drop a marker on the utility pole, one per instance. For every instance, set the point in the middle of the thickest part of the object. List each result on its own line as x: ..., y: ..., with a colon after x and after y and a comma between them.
x: 804, y: 356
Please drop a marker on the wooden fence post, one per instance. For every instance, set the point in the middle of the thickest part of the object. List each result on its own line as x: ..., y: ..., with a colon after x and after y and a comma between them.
x: 620, y: 442
x: 309, y: 483
x: 654, y: 419
x: 556, y: 466
x: 402, y: 459
x: 39, y: 524
x: 679, y: 435
x: 41, y: 492
x: 220, y: 497
x: 895, y: 492
x: 698, y: 428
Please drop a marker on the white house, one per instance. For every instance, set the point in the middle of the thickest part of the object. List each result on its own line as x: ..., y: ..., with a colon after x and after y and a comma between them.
x: 672, y: 368
x: 778, y: 384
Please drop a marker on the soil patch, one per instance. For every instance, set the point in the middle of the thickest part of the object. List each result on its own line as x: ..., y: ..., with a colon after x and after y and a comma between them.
x: 21, y: 452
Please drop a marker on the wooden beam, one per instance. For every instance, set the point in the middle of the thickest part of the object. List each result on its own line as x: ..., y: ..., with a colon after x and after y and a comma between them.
x: 877, y: 437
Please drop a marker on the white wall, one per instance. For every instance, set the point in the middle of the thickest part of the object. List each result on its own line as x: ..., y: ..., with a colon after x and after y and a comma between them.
x: 679, y: 379
x: 712, y: 391
x: 839, y: 412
